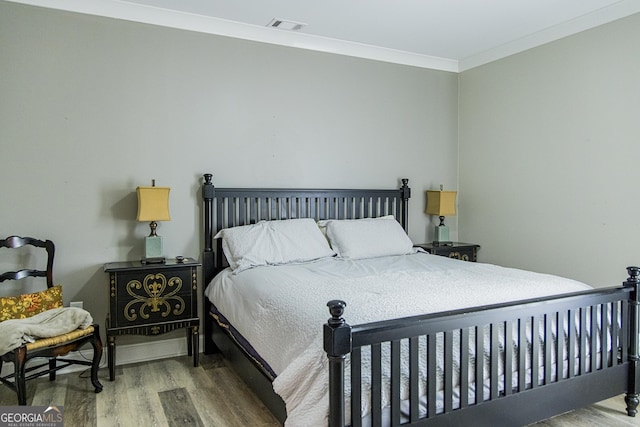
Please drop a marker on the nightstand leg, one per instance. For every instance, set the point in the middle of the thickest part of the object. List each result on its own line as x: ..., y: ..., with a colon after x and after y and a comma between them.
x: 190, y: 341
x: 196, y: 347
x: 111, y: 356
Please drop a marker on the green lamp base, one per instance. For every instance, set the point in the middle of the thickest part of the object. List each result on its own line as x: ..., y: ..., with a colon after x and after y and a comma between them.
x: 441, y: 235
x: 153, y: 249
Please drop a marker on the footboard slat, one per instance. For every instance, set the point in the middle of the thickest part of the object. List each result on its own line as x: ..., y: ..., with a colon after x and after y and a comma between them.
x: 615, y: 332
x: 494, y: 357
x: 479, y: 351
x: 356, y: 387
x: 594, y: 338
x: 535, y: 351
x: 604, y: 336
x: 414, y: 379
x: 431, y: 379
x: 508, y: 358
x: 395, y: 382
x: 571, y: 332
x: 560, y: 345
x: 464, y: 368
x: 448, y: 371
x: 376, y: 384
x: 548, y: 343
x: 523, y: 352
x: 583, y: 340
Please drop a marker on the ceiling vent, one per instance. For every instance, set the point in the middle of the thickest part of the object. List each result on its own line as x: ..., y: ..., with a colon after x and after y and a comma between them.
x: 283, y: 24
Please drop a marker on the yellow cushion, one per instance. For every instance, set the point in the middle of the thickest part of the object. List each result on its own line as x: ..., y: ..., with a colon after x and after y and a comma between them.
x: 26, y: 305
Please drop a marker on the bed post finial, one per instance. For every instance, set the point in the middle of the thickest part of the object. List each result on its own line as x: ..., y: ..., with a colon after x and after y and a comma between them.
x: 634, y: 272
x: 631, y: 398
x: 336, y: 308
x: 208, y: 189
x: 337, y: 344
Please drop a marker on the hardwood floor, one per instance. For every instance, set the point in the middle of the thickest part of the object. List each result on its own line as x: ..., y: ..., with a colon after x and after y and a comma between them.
x: 170, y: 392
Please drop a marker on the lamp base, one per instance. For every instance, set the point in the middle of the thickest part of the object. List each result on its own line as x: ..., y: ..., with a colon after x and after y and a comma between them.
x: 441, y: 235
x: 153, y: 247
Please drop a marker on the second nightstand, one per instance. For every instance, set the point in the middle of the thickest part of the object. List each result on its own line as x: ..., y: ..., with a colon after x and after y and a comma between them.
x: 457, y: 250
x: 151, y: 299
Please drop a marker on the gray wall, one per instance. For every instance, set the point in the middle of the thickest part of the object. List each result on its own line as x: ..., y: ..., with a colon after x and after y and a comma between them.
x: 549, y: 149
x: 91, y: 107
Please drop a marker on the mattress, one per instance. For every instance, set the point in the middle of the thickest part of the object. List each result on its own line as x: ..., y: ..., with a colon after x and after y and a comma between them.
x: 280, y: 310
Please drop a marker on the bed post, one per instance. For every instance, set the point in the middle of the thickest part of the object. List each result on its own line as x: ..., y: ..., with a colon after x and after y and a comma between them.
x: 631, y: 398
x: 208, y: 193
x: 406, y: 194
x: 337, y: 344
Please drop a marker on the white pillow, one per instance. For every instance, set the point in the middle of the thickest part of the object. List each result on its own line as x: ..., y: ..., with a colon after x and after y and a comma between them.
x: 368, y: 238
x: 273, y: 243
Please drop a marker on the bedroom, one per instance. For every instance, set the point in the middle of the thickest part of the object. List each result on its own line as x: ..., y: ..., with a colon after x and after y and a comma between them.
x: 544, y: 184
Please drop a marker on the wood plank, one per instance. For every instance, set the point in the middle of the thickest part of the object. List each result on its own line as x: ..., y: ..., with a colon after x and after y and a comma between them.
x: 51, y: 393
x: 80, y: 401
x: 245, y: 407
x: 141, y: 381
x: 113, y: 406
x: 179, y: 409
x: 209, y: 397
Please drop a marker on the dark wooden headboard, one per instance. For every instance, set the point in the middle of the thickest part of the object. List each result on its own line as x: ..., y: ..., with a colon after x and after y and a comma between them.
x: 230, y: 207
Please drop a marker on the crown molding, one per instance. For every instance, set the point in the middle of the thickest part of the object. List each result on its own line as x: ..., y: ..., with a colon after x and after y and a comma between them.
x: 585, y: 22
x: 124, y: 10
x: 205, y: 24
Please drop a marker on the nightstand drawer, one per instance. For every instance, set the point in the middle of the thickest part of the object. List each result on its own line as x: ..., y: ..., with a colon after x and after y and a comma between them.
x: 456, y: 250
x: 142, y: 297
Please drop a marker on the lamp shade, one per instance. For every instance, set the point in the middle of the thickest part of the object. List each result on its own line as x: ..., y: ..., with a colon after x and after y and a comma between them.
x: 153, y: 204
x: 441, y: 203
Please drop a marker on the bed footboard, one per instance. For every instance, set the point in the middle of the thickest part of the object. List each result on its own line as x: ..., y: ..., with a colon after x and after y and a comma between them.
x: 505, y: 364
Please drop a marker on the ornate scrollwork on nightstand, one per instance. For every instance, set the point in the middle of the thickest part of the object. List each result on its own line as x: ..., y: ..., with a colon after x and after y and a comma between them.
x: 154, y: 297
x: 459, y: 255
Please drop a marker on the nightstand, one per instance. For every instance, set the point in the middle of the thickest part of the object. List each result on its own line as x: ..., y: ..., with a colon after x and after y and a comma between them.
x: 152, y: 299
x: 457, y: 250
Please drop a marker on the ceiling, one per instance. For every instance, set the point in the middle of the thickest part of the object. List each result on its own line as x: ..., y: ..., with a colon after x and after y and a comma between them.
x: 450, y: 35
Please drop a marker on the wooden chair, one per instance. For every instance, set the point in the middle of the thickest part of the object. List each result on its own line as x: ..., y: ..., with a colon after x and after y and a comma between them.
x: 27, y: 305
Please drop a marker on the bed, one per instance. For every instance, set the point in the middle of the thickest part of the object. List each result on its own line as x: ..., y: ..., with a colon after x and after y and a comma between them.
x: 438, y: 358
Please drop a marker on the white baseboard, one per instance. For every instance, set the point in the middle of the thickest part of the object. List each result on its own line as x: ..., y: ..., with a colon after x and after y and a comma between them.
x: 126, y: 354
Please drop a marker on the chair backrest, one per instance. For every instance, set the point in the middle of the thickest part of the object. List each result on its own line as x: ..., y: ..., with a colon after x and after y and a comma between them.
x: 15, y: 242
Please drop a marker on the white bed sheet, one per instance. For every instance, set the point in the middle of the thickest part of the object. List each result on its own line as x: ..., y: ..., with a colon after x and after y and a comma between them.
x: 280, y: 310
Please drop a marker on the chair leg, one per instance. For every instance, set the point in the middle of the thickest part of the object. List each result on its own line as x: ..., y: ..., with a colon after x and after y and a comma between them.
x: 21, y: 387
x: 96, y: 342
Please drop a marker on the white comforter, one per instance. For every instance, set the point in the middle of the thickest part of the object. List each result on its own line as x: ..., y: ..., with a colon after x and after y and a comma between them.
x: 281, y: 310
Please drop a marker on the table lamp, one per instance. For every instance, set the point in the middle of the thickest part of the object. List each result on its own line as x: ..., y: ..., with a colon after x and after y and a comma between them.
x: 153, y: 205
x: 441, y: 203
